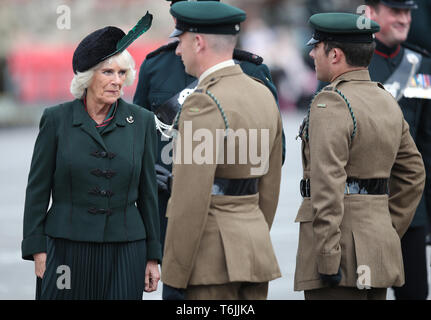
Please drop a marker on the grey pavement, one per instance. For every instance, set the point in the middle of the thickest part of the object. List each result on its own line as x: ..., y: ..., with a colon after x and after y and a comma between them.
x: 17, y: 280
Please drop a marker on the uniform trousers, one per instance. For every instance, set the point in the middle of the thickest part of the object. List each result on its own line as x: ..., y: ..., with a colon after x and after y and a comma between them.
x: 345, y: 293
x: 228, y: 291
x: 415, y: 266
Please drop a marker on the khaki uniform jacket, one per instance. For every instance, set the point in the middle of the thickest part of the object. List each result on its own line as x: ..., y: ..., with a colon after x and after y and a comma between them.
x: 356, y: 129
x: 217, y: 239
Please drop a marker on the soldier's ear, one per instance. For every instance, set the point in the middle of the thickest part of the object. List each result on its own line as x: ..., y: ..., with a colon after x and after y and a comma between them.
x: 199, y: 42
x: 336, y: 55
x: 371, y: 12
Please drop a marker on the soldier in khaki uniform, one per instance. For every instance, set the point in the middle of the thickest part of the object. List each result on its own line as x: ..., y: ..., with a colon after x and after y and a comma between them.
x: 223, y: 202
x: 363, y: 175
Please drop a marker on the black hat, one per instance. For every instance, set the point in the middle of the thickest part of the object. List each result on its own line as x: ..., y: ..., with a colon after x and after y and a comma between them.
x: 106, y: 42
x: 342, y: 27
x: 399, y: 4
x: 211, y: 17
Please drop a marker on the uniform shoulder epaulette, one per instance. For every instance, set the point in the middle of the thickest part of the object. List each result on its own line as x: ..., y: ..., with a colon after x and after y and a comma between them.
x: 334, y: 87
x: 242, y: 55
x: 257, y: 79
x: 416, y: 48
x: 215, y: 100
x: 168, y: 47
x: 380, y: 85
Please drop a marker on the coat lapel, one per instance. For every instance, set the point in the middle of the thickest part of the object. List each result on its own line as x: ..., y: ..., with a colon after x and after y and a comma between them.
x: 120, y: 117
x: 82, y: 119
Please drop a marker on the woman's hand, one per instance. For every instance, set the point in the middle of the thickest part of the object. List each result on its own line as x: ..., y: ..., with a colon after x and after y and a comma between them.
x: 152, y: 276
x: 40, y: 263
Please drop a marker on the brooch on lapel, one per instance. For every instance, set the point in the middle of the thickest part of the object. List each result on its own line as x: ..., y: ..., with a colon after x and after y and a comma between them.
x: 130, y: 119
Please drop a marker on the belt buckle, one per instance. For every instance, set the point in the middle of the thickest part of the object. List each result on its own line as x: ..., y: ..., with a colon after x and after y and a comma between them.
x: 301, y: 188
x: 304, y: 186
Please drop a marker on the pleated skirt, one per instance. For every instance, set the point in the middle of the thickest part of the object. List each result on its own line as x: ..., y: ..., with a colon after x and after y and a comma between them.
x: 93, y: 271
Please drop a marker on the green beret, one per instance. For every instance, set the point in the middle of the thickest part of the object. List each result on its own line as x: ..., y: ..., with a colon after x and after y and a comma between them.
x: 210, y: 17
x: 342, y: 27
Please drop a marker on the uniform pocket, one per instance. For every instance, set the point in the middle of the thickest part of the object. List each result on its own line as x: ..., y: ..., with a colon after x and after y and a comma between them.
x: 377, y: 244
x: 246, y: 240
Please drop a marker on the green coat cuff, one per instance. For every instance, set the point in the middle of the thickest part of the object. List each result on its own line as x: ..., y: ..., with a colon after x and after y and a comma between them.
x: 154, y: 250
x: 32, y: 245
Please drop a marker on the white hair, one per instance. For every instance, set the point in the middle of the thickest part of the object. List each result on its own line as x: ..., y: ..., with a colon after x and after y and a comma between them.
x: 82, y: 80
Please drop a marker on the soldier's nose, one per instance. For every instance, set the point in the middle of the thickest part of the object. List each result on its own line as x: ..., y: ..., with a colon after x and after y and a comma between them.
x: 311, y: 54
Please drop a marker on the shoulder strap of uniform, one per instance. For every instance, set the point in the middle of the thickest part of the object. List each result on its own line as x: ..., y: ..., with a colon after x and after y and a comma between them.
x: 256, y: 79
x: 381, y: 86
x: 334, y: 87
x: 168, y: 47
x: 351, y: 112
x: 417, y: 49
x: 223, y: 114
x: 242, y: 55
x: 226, y: 123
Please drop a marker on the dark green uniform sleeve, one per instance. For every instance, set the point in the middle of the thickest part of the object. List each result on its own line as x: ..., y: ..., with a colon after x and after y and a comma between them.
x: 141, y: 95
x: 39, y: 188
x: 147, y: 201
x: 262, y: 73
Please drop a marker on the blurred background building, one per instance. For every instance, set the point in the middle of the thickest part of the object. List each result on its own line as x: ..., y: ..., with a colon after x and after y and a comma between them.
x: 38, y: 37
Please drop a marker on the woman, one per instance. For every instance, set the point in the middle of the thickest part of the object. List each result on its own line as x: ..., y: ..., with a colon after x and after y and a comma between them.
x: 95, y: 155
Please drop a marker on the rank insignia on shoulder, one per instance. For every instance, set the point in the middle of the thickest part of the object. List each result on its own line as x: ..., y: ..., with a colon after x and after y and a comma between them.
x: 321, y: 105
x: 328, y: 88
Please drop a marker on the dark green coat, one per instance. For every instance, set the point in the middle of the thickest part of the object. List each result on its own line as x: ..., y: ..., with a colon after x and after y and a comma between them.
x: 417, y: 113
x: 103, y: 186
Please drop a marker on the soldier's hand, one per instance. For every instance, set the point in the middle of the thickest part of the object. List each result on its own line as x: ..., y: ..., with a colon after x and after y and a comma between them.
x: 331, y: 279
x: 164, y: 178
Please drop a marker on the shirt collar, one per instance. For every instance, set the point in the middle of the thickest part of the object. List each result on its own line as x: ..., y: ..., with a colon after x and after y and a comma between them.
x: 358, y: 75
x: 221, y: 65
